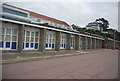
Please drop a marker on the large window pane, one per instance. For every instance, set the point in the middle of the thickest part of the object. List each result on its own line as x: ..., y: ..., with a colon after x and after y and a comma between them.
x: 71, y: 40
x: 50, y: 35
x: 36, y: 34
x: 27, y: 39
x: 3, y: 31
x: 14, y: 31
x: 0, y: 31
x: 50, y: 41
x: 32, y: 34
x: 47, y: 35
x: 24, y: 32
x: 8, y: 31
x: 46, y: 40
x: 7, y: 38
x: 24, y: 39
x: 53, y: 35
x: 2, y: 37
x: 53, y: 41
x: 28, y: 33
x: 36, y: 39
x: 14, y: 38
x: 21, y: 14
x: 14, y: 12
x: 32, y: 39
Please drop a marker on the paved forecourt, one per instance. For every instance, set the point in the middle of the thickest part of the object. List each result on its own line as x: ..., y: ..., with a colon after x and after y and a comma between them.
x: 97, y: 65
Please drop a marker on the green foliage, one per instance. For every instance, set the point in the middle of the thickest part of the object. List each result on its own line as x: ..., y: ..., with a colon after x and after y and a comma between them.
x: 103, y: 23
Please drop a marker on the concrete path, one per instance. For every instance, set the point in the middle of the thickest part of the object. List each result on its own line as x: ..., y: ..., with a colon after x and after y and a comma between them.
x: 97, y: 65
x: 28, y: 56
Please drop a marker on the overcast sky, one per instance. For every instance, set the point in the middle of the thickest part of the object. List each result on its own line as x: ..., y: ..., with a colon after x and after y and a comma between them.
x: 78, y: 13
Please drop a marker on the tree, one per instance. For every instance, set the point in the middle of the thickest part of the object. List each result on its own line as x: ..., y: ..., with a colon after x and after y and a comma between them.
x: 104, y: 24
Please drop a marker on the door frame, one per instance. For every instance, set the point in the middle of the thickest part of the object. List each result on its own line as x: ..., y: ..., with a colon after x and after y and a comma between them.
x: 29, y: 42
x: 52, y: 37
x: 63, y: 41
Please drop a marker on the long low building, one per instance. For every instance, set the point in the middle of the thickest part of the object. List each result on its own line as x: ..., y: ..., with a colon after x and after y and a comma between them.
x: 24, y: 30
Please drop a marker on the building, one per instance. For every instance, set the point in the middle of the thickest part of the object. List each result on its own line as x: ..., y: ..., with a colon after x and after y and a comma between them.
x: 93, y: 25
x: 23, y: 30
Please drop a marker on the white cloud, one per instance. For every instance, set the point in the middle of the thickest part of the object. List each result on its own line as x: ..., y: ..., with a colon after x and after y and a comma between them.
x: 60, y: 1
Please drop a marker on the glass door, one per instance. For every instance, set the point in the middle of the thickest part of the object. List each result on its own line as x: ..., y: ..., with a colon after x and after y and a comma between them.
x: 50, y: 40
x: 31, y: 40
x: 72, y: 42
x: 36, y: 43
x: 27, y: 39
x: 80, y: 42
x: 63, y: 41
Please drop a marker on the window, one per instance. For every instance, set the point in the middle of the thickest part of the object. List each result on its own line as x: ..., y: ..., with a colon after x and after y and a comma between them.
x: 52, y: 24
x: 62, y: 26
x: 47, y: 35
x: 39, y: 20
x: 53, y: 41
x: 24, y: 36
x: 36, y: 36
x: 8, y: 31
x: 9, y: 37
x: 14, y: 34
x: 50, y: 40
x: 14, y: 38
x: 8, y: 34
x: 32, y: 37
x: 80, y: 42
x: 27, y: 36
x: 42, y: 21
x: 56, y: 24
x: 72, y: 41
x: 2, y: 31
x: 14, y: 12
x: 14, y: 31
x: 65, y: 27
x: 63, y: 41
x: 27, y: 39
x: 21, y: 14
x: 28, y: 33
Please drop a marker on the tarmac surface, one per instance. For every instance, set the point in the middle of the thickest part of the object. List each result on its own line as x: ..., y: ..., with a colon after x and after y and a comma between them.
x: 93, y: 65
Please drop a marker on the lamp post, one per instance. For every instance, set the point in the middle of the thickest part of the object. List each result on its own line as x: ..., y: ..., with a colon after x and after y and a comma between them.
x: 114, y: 38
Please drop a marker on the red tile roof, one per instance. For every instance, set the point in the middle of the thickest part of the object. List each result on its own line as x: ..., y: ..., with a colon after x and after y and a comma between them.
x: 40, y: 16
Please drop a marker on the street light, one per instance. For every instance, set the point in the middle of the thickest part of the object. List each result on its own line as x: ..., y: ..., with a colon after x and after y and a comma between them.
x: 114, y: 38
